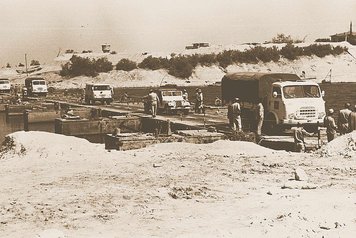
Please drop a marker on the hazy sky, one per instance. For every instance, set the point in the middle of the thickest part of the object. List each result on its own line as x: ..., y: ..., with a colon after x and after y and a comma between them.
x: 41, y: 27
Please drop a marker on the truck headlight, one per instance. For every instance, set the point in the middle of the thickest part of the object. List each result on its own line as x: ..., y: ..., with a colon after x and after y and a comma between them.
x: 291, y: 116
x: 171, y: 104
x: 321, y: 115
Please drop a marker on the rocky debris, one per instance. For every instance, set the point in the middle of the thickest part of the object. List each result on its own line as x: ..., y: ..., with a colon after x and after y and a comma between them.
x: 300, y: 175
x: 190, y: 193
x: 293, y: 184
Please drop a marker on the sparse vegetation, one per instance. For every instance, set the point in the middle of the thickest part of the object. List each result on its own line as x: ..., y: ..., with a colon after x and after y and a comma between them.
x: 282, y: 38
x: 85, y: 66
x: 126, y: 65
x: 34, y: 62
x: 182, y: 66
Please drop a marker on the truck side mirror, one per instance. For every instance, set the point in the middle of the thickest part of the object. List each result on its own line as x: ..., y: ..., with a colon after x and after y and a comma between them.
x: 323, y: 93
x: 275, y: 94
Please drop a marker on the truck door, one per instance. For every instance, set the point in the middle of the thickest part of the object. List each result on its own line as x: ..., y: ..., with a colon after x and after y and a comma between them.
x: 276, y: 104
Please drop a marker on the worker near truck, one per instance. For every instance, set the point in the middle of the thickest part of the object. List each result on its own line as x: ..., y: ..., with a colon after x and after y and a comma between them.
x: 299, y: 134
x: 343, y: 117
x: 234, y: 115
x: 330, y: 125
x: 185, y: 95
x: 352, y: 120
x: 199, y: 101
x: 153, y: 100
x: 260, y: 117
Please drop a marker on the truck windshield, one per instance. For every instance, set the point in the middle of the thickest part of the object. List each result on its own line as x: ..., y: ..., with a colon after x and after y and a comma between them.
x: 38, y: 82
x: 171, y: 93
x: 102, y: 87
x: 4, y: 82
x: 301, y: 91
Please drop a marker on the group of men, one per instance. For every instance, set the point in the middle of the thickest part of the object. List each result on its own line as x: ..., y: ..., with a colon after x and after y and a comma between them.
x: 346, y: 121
x: 234, y: 116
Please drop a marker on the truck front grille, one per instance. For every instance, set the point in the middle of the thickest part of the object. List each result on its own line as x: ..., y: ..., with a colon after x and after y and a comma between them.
x: 306, y: 112
x: 178, y: 103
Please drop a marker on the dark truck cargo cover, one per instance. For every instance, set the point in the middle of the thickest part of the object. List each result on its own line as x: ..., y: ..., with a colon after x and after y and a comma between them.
x: 249, y: 86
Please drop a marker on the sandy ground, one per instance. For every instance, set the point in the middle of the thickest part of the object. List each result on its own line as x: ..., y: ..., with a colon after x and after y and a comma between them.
x: 343, y: 69
x: 225, y: 189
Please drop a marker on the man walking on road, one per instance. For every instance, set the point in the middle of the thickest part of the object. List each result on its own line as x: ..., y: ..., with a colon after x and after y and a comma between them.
x: 330, y: 125
x: 153, y: 99
x: 343, y: 117
x: 352, y: 120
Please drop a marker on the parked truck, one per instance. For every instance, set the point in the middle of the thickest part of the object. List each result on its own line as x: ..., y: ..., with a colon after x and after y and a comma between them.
x: 5, y: 85
x: 287, y: 99
x: 98, y: 92
x: 36, y: 86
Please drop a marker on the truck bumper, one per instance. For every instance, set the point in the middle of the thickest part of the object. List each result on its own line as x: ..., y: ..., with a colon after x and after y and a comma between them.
x: 290, y: 123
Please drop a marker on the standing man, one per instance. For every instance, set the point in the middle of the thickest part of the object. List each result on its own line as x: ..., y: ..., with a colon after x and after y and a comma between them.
x: 299, y: 134
x: 235, y: 115
x: 260, y: 117
x: 352, y: 120
x: 330, y: 125
x: 153, y: 99
x: 199, y: 101
x: 185, y: 95
x: 343, y: 117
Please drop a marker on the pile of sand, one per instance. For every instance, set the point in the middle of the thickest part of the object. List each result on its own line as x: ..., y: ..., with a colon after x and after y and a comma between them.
x: 344, y: 145
x: 58, y: 186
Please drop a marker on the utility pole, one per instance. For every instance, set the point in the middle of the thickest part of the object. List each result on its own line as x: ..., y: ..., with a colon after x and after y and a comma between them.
x: 26, y: 64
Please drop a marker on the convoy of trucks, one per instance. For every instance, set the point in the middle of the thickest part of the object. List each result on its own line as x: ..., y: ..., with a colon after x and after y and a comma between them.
x: 287, y: 99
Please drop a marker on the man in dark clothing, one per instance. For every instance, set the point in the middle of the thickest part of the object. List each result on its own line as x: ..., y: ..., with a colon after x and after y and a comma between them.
x: 343, y: 117
x: 330, y: 125
x: 352, y: 120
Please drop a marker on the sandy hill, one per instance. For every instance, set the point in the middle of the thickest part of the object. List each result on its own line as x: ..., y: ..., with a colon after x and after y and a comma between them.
x: 343, y: 69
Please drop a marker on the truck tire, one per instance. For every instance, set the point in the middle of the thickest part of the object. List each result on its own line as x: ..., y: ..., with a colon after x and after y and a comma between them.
x: 270, y: 125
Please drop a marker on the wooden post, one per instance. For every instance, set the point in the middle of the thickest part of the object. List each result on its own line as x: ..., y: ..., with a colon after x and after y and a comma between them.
x: 25, y: 120
x: 26, y: 64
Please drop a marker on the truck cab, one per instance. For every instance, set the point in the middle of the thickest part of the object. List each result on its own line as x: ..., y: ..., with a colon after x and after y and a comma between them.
x: 36, y: 86
x: 98, y: 92
x: 292, y: 103
x: 172, y: 101
x: 5, y: 86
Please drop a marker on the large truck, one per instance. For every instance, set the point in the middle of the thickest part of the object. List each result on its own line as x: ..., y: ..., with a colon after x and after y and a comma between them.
x: 36, y: 86
x: 98, y: 92
x: 287, y: 99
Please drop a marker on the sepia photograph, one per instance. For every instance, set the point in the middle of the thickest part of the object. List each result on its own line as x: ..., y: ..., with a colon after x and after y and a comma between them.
x: 177, y: 118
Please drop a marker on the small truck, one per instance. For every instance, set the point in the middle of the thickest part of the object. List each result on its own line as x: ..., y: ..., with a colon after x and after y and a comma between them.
x: 5, y: 85
x: 98, y: 92
x: 171, y: 101
x: 36, y: 86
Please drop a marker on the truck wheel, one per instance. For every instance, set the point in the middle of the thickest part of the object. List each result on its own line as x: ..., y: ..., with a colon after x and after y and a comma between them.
x: 270, y: 125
